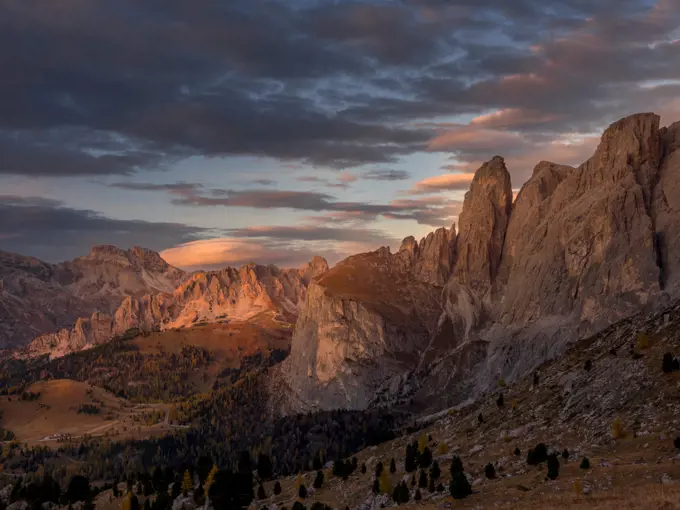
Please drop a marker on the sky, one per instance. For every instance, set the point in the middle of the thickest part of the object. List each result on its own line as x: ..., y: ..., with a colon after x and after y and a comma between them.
x: 225, y: 132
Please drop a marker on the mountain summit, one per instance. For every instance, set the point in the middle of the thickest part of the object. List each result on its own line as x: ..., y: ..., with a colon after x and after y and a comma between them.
x: 579, y: 249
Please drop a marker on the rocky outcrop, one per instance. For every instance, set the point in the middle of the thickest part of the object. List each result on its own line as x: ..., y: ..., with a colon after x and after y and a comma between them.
x: 482, y: 226
x: 666, y: 210
x: 36, y: 297
x: 579, y: 249
x: 431, y: 260
x: 227, y: 295
x: 365, y: 323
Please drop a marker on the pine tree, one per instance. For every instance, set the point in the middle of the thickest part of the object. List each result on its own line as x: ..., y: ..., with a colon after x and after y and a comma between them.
x: 393, y: 466
x: 518, y: 452
x: 264, y: 467
x: 553, y: 467
x: 411, y: 460
x: 417, y: 496
x: 585, y: 463
x: 456, y: 465
x: 500, y: 401
x: 316, y: 461
x: 490, y: 471
x: 422, y: 443
x: 363, y: 468
x: 261, y: 494
x: 459, y: 487
x: 187, y: 483
x: 376, y: 486
x: 425, y: 458
x: 385, y: 484
x: 435, y: 472
x: 318, y: 481
x: 565, y: 455
x: 277, y: 488
x: 422, y: 479
x: 378, y: 469
x: 211, y: 479
x: 116, y: 493
x: 302, y: 491
x: 430, y: 485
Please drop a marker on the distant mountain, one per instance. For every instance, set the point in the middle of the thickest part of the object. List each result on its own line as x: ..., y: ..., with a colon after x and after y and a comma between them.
x: 37, y: 297
x: 444, y: 319
x: 227, y: 295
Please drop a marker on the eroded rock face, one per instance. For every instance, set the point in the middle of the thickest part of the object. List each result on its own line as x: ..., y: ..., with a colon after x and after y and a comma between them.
x: 364, y: 324
x: 482, y: 226
x: 36, y: 297
x: 580, y: 249
x: 666, y: 210
x: 230, y: 294
x: 582, y: 242
x: 432, y: 259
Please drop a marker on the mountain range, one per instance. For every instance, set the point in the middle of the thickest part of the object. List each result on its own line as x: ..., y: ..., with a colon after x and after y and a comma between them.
x: 436, y: 323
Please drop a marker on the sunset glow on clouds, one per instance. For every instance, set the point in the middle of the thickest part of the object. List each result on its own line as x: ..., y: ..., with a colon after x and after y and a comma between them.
x: 270, y: 131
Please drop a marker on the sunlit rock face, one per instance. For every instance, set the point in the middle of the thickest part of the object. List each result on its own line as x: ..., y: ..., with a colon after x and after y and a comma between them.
x: 578, y: 249
x: 85, y: 302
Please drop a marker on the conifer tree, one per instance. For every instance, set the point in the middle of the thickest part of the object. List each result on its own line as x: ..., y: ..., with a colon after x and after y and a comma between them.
x: 385, y: 484
x: 318, y: 481
x: 422, y: 479
x: 393, y: 466
x: 187, y: 483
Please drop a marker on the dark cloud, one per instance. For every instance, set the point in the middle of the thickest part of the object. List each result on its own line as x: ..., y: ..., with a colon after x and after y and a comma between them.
x: 53, y: 232
x: 386, y: 175
x: 327, y: 83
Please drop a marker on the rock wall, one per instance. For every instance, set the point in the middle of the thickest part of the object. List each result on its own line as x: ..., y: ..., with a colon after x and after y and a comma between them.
x: 230, y: 294
x: 578, y: 250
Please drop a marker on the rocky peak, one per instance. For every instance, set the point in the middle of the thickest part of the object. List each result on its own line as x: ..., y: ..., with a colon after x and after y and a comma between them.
x: 630, y: 147
x: 482, y: 226
x: 435, y: 256
x: 104, y: 251
x: 148, y: 259
x: 316, y: 266
x: 409, y: 246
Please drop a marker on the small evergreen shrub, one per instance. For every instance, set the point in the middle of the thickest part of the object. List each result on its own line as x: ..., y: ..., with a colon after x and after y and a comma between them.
x: 261, y: 494
x: 585, y: 463
x: 363, y: 468
x: 500, y: 401
x: 565, y: 454
x: 393, y: 466
x: 422, y: 479
x: 588, y: 366
x: 676, y: 442
x: 518, y: 452
x: 459, y: 487
x: 277, y: 488
x: 417, y: 496
x: 670, y: 363
x: 490, y: 471
x: 302, y: 491
x: 318, y: 481
x: 553, y: 467
x: 537, y: 455
x: 618, y: 430
x: 435, y: 472
x: 642, y: 341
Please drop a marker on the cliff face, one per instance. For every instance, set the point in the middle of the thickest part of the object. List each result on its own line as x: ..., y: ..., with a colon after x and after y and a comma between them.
x: 36, y: 297
x: 230, y: 294
x: 579, y: 249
